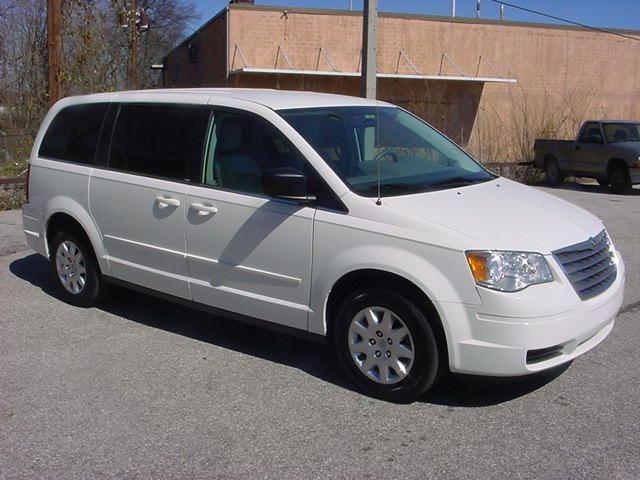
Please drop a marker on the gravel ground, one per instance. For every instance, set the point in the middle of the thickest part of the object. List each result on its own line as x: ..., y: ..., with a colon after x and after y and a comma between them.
x: 141, y: 388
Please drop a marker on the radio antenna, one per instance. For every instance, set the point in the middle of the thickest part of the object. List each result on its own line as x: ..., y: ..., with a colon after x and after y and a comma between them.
x: 379, y: 200
x: 376, y: 142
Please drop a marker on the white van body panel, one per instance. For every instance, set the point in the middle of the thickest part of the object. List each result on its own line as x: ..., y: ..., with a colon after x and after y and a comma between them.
x: 279, y: 261
x: 252, y: 256
x: 142, y: 233
x: 502, y: 215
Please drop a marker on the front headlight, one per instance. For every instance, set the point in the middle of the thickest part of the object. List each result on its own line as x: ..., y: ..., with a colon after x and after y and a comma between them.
x: 508, y: 271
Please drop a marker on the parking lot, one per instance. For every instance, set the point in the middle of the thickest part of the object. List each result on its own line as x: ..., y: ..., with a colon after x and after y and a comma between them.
x: 141, y: 388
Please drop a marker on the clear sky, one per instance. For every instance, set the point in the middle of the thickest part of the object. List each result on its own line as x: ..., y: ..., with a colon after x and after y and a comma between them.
x: 601, y: 13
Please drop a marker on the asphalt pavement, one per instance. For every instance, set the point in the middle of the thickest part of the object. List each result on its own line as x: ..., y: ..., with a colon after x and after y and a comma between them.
x: 141, y: 388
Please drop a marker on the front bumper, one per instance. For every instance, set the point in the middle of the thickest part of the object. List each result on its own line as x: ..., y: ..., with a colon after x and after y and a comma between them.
x: 494, y: 339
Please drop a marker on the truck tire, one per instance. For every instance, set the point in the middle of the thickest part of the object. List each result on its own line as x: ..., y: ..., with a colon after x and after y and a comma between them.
x: 619, y: 179
x: 555, y: 176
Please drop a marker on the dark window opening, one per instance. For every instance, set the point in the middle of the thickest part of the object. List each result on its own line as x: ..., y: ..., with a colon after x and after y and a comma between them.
x: 160, y: 140
x: 73, y: 133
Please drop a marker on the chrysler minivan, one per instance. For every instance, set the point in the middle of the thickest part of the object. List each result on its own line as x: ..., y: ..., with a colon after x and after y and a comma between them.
x: 336, y: 218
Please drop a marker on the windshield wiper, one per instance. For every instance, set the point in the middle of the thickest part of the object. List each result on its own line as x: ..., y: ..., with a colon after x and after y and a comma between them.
x: 454, y: 182
x: 390, y: 187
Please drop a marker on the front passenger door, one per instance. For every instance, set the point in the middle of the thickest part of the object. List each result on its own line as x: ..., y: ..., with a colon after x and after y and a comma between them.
x: 248, y: 253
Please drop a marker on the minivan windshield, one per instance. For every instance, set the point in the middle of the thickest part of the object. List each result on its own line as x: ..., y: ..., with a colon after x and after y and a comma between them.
x: 362, y: 144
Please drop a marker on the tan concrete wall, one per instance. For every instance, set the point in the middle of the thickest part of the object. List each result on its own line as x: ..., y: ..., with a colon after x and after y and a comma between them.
x: 564, y: 75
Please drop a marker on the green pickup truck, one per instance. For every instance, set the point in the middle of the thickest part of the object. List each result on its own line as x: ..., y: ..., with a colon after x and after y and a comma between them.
x: 607, y: 150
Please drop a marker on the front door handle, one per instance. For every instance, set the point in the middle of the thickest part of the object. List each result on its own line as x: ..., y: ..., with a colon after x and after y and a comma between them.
x: 203, y: 210
x: 166, y: 201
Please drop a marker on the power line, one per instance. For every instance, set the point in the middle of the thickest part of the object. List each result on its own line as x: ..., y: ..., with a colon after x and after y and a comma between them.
x: 590, y: 27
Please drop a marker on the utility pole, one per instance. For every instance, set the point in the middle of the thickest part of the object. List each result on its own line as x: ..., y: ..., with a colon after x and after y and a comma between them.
x: 369, y: 49
x: 137, y: 21
x: 54, y: 47
x: 132, y: 76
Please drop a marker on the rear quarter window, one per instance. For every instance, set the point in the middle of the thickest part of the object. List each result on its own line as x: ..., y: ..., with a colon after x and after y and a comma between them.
x: 73, y: 134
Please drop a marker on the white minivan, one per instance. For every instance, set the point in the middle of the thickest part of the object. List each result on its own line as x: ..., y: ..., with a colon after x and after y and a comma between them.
x: 337, y: 218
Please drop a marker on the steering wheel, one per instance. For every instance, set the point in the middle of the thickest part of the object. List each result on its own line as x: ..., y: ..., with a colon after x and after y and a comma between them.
x: 385, y: 153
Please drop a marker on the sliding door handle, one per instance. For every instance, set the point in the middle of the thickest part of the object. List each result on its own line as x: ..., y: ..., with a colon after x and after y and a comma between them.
x: 203, y: 210
x: 166, y: 201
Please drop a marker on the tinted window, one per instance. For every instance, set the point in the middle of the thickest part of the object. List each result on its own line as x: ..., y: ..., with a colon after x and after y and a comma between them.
x: 242, y: 148
x: 621, y: 132
x: 591, y: 133
x: 160, y: 140
x: 73, y: 133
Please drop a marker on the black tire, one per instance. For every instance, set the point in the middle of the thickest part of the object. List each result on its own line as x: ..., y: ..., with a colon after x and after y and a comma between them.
x: 95, y: 288
x: 619, y: 179
x: 555, y: 176
x: 603, y: 182
x: 426, y: 365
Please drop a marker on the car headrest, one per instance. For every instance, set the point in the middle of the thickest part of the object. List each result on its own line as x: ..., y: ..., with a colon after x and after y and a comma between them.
x: 230, y: 135
x: 621, y: 135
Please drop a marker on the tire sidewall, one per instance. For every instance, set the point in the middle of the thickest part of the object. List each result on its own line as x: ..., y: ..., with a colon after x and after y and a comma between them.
x: 91, y: 293
x: 552, y: 170
x: 425, y: 368
x: 623, y: 186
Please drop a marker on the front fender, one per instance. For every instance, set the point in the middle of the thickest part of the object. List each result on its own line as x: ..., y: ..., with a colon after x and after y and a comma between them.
x: 440, y: 273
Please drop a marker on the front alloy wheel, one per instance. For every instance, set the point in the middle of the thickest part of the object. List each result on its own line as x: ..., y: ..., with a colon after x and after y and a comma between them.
x: 386, y: 344
x: 381, y: 345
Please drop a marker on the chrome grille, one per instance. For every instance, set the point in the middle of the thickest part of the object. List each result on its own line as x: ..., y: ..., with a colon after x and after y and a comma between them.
x: 590, y: 265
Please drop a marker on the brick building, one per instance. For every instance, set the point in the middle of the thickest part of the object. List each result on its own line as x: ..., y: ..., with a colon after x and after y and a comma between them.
x: 491, y: 85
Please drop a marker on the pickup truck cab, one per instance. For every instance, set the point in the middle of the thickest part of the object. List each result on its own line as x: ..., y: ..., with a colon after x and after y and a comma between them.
x: 335, y: 218
x: 607, y: 150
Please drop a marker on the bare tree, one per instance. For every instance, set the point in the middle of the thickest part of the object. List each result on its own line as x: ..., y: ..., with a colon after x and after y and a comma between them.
x: 95, y: 53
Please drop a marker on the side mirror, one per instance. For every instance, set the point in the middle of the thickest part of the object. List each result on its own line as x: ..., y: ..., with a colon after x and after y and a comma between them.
x: 285, y: 182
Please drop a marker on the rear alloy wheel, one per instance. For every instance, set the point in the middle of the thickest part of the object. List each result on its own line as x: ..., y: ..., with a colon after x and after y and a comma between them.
x: 619, y: 179
x: 75, y: 270
x: 71, y: 267
x: 555, y: 176
x: 386, y: 345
